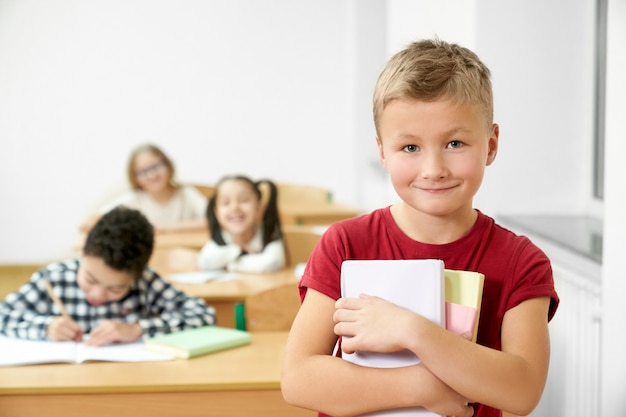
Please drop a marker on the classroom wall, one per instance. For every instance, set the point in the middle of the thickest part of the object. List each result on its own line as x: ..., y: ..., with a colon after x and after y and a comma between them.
x: 613, y: 343
x: 223, y: 86
x: 277, y: 89
x: 541, y: 57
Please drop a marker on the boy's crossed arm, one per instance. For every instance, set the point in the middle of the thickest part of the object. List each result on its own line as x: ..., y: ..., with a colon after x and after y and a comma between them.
x: 313, y: 378
x: 510, y: 379
x: 461, y: 371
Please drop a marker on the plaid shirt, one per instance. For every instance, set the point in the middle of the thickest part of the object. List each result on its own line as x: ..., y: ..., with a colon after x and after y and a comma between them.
x: 152, y: 302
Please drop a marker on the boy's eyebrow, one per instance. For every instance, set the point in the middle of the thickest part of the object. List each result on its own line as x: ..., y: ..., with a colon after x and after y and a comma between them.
x: 446, y: 133
x: 458, y: 129
x: 118, y: 287
x: 92, y: 276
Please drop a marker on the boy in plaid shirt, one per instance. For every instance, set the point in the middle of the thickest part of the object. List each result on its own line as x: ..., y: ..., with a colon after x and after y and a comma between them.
x: 110, y: 292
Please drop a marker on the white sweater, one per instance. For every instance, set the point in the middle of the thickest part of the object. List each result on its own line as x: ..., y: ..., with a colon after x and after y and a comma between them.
x: 214, y: 256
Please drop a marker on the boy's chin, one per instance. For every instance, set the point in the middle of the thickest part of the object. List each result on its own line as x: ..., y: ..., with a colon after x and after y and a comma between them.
x: 95, y: 303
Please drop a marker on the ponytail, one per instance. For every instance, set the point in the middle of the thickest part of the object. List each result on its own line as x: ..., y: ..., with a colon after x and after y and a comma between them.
x: 271, y: 218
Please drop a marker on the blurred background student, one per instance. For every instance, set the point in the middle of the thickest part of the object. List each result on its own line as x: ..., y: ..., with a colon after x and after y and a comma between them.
x: 245, y: 229
x: 109, y: 292
x: 168, y: 205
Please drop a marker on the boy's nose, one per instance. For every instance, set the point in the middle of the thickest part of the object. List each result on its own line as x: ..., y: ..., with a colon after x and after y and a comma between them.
x: 97, y: 294
x: 433, y: 166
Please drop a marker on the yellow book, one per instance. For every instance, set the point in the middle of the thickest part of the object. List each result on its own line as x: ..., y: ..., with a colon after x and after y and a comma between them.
x: 464, y: 293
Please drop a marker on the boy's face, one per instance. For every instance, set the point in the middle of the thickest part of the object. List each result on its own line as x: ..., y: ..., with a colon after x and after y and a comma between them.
x: 436, y: 153
x: 101, y: 283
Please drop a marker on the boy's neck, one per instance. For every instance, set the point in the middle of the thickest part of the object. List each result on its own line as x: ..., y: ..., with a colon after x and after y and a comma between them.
x: 430, y: 229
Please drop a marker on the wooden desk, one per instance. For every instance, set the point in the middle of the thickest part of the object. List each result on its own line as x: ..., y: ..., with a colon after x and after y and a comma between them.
x: 224, y: 295
x: 322, y: 213
x: 240, y: 382
x: 194, y: 240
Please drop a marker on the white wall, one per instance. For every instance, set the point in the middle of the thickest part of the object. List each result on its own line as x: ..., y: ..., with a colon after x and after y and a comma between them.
x: 409, y: 20
x: 541, y: 57
x: 224, y: 86
x: 278, y: 89
x: 613, y: 342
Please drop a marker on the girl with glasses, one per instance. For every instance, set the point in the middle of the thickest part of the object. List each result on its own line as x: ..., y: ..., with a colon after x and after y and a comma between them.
x: 168, y: 205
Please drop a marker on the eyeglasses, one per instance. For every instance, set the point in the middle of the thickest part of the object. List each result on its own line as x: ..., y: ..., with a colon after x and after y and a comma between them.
x: 144, y: 172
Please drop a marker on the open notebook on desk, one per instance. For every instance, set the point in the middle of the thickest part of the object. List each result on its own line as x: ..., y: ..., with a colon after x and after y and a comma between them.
x: 30, y: 352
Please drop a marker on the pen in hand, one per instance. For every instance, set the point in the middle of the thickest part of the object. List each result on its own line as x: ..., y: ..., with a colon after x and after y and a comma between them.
x: 65, y: 331
x: 56, y: 300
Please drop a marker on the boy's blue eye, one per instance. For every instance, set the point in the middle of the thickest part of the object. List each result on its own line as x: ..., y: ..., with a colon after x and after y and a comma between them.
x: 455, y: 144
x: 411, y: 148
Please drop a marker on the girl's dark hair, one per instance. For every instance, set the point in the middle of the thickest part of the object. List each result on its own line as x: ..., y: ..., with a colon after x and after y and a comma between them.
x: 271, y: 218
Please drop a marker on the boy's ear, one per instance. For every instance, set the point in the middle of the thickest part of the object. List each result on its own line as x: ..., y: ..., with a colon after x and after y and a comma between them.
x: 492, y: 146
x: 381, y: 153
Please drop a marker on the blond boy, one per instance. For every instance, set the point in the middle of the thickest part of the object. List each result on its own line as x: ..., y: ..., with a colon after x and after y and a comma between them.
x: 433, y: 111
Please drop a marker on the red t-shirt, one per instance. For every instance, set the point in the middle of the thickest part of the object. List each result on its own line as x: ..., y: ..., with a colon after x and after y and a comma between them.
x: 515, y: 269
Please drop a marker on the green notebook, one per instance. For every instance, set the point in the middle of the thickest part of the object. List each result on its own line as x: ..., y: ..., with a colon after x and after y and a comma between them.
x: 199, y: 341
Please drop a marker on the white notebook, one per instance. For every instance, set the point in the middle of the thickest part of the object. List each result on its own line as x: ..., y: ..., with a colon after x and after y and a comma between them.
x: 30, y: 352
x: 417, y: 285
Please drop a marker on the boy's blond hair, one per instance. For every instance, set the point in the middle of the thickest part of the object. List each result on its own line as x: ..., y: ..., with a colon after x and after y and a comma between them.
x: 429, y: 70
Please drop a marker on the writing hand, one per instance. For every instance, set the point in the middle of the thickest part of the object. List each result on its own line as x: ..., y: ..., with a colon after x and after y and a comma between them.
x: 110, y: 331
x: 62, y: 329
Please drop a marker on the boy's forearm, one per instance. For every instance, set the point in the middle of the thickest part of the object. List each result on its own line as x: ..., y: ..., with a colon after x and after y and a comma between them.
x: 312, y: 378
x: 499, y: 379
x: 340, y: 388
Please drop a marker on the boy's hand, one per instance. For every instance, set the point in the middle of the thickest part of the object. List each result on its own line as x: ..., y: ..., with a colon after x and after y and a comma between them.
x: 111, y: 331
x: 62, y: 330
x: 373, y: 324
x: 441, y: 399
